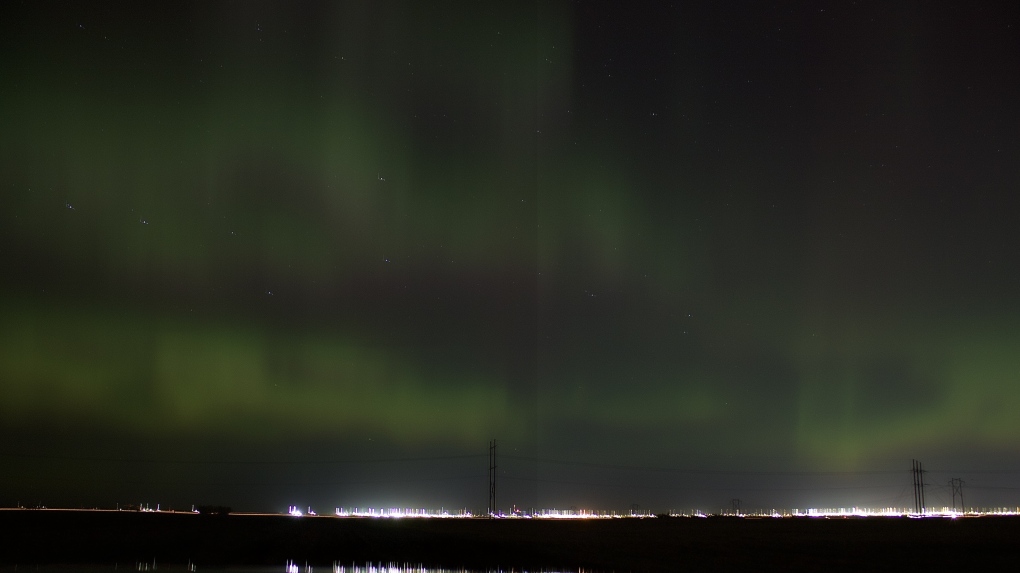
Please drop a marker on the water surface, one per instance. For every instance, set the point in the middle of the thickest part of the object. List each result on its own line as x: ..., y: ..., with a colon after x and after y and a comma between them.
x: 288, y: 567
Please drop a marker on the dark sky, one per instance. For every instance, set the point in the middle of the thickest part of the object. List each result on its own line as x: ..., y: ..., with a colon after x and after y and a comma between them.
x: 667, y: 254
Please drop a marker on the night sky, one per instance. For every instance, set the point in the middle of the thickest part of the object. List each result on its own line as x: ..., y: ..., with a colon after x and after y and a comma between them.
x: 669, y: 254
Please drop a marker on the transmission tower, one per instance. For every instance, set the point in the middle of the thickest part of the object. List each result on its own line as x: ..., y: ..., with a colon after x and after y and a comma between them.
x: 492, y: 478
x: 918, y: 473
x: 913, y: 475
x: 957, y: 485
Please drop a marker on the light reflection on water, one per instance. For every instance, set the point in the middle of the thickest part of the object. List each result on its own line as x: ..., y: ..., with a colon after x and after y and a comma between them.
x: 381, y: 569
x: 288, y: 567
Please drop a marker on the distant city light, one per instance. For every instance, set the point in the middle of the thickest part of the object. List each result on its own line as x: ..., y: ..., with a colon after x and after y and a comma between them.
x: 397, y: 513
x: 567, y: 514
x: 902, y: 512
x: 577, y: 514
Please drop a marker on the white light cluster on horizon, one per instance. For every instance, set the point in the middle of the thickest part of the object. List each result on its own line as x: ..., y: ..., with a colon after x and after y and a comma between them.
x: 390, y: 568
x: 902, y: 512
x: 396, y: 513
x: 423, y: 513
x: 577, y: 514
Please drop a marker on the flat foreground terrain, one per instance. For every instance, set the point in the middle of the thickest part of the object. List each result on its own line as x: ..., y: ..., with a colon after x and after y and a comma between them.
x: 30, y: 537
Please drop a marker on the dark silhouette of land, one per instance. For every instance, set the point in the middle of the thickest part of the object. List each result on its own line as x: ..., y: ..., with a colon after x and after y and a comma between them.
x: 658, y: 544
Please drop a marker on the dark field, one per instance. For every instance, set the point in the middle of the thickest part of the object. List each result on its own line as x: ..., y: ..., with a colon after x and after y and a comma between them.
x: 30, y: 537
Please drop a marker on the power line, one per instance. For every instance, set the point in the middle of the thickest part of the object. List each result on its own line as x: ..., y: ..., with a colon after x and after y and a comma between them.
x: 541, y: 460
x: 1008, y: 488
x: 689, y: 488
x: 238, y: 462
x: 700, y: 471
x: 960, y: 471
x: 492, y: 478
x: 380, y: 479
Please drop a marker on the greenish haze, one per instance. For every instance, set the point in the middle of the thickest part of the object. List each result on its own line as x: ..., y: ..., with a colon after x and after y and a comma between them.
x: 682, y: 236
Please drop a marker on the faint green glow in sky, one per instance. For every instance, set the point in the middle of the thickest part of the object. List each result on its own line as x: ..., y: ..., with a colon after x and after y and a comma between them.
x: 637, y: 242
x: 151, y: 374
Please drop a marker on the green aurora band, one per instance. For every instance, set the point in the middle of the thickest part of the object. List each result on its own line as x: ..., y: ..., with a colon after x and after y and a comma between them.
x: 263, y: 225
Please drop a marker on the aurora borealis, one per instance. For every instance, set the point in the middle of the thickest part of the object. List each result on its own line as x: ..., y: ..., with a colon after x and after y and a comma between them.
x: 242, y: 241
